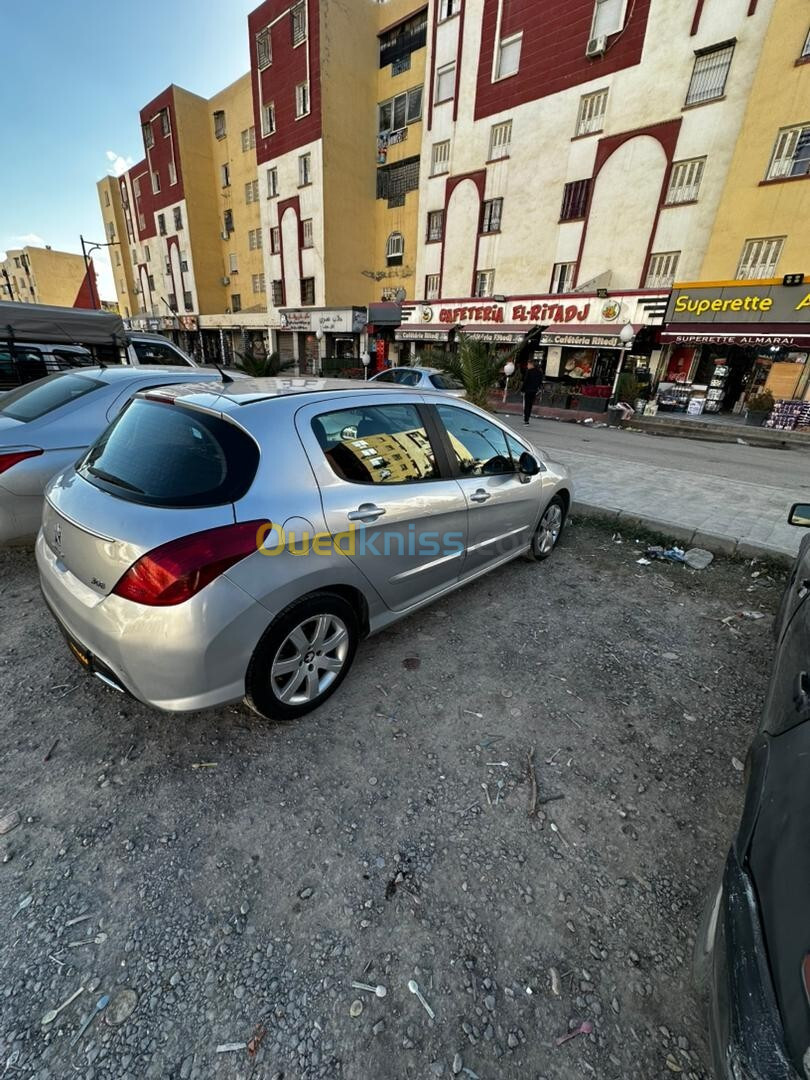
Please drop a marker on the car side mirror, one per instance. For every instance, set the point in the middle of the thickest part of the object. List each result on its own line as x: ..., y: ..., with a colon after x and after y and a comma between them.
x: 800, y: 515
x: 528, y: 465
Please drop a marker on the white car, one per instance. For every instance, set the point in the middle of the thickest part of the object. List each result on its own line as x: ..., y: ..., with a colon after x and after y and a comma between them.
x: 422, y: 378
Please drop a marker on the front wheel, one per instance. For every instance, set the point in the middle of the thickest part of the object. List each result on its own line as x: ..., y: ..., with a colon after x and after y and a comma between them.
x: 304, y: 656
x: 548, y: 532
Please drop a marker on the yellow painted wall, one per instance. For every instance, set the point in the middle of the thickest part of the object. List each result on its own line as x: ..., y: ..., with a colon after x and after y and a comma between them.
x: 236, y: 101
x: 55, y: 276
x: 109, y: 197
x: 780, y: 98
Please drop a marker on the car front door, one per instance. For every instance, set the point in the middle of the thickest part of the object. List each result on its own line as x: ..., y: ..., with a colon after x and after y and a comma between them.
x: 788, y: 699
x: 386, y: 502
x: 504, y: 506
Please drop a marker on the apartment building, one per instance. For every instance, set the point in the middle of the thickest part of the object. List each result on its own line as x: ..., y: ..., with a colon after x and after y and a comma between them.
x: 40, y: 275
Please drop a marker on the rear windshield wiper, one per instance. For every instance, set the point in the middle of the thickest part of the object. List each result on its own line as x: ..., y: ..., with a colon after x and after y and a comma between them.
x: 102, y: 475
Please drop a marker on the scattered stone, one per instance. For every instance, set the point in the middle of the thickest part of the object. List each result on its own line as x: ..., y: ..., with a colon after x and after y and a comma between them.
x: 698, y: 558
x: 305, y: 894
x: 8, y: 822
x: 355, y: 1008
x: 458, y: 1064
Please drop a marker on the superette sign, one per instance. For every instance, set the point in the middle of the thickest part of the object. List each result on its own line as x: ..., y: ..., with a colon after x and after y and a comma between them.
x: 770, y: 304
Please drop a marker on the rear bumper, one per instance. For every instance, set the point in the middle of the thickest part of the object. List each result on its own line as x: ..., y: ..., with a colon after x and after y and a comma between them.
x: 745, y: 1027
x: 192, y: 656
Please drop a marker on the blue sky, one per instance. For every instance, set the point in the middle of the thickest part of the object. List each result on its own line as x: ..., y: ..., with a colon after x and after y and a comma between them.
x: 74, y: 76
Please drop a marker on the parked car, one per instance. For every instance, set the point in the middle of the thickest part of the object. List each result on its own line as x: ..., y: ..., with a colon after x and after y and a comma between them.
x: 752, y: 954
x: 159, y: 562
x: 421, y: 378
x: 45, y: 425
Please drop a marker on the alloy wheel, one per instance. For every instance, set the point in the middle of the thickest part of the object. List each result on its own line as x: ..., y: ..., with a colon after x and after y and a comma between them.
x: 309, y: 659
x: 549, y: 529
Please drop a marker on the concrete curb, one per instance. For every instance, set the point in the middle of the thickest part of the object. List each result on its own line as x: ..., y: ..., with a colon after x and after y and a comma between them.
x: 717, y: 543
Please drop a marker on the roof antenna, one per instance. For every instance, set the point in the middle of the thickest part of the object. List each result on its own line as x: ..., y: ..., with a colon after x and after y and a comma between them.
x: 226, y: 378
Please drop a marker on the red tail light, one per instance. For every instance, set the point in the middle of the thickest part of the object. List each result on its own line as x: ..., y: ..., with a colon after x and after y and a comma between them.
x: 174, y: 572
x: 15, y: 457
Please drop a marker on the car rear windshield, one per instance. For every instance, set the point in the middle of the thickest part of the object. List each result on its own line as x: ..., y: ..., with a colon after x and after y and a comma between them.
x: 162, y: 454
x: 446, y: 382
x: 35, y: 399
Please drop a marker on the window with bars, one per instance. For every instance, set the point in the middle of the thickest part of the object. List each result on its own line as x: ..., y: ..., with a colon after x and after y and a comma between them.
x: 509, y: 56
x: 395, y: 249
x: 307, y: 291
x: 445, y: 83
x: 252, y: 191
x: 592, y: 109
x: 178, y: 218
x: 491, y: 215
x: 161, y: 224
x: 255, y: 239
x: 147, y: 254
x: 304, y: 170
x: 791, y: 153
x: 248, y: 139
x: 264, y: 55
x: 188, y: 301
x: 662, y: 270
x: 400, y: 111
x: 562, y: 277
x: 432, y: 287
x: 685, y: 181
x: 484, y: 282
x: 575, y: 200
x: 227, y: 221
x: 395, y: 181
x: 258, y: 283
x: 500, y: 140
x: 148, y: 135
x: 435, y: 225
x: 448, y: 8
x: 275, y: 240
x: 298, y: 22
x: 302, y: 99
x: 268, y: 119
x: 219, y: 124
x: 397, y: 44
x: 440, y: 158
x: 710, y: 74
x: 277, y: 293
x: 306, y: 233
x: 760, y: 258
x: 272, y: 183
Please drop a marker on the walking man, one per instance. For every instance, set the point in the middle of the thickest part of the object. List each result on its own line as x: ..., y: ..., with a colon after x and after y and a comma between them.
x: 532, y: 385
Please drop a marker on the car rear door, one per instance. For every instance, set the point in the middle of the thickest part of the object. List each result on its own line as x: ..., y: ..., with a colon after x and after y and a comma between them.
x: 386, y: 494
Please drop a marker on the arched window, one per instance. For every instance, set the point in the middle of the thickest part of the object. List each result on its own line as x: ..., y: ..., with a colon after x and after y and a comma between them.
x: 394, y: 249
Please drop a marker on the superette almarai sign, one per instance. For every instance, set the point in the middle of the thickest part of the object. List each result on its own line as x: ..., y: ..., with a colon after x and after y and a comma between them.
x: 769, y: 304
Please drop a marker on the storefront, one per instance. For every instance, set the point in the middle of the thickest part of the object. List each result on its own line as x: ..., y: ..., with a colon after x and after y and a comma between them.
x: 183, y: 330
x: 321, y: 339
x: 233, y: 339
x: 726, y: 343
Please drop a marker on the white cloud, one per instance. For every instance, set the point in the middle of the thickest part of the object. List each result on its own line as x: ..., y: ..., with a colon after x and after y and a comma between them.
x: 27, y: 240
x: 118, y: 163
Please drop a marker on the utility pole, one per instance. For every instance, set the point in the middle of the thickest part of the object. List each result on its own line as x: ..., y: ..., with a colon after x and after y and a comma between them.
x: 87, y: 249
x: 8, y: 284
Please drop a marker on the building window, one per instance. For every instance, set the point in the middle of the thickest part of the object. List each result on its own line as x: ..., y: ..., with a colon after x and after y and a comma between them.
x: 484, y: 282
x: 662, y: 271
x: 111, y: 231
x: 236, y: 302
x: 219, y: 123
x: 298, y: 21
x: 233, y: 263
x: 227, y: 221
x: 575, y: 200
x: 491, y: 215
x: 147, y: 254
x: 150, y: 279
x: 161, y: 224
x: 148, y: 135
x: 608, y: 17
x: 268, y: 119
x: 106, y: 198
x: 509, y: 56
x: 395, y: 249
x: 118, y: 258
x: 592, y: 109
x: 255, y: 239
x: 306, y: 233
x: 155, y: 183
x: 445, y: 83
x: 684, y: 184
x: 302, y: 99
x: 264, y: 55
x: 248, y: 139
x: 172, y: 300
x: 165, y: 124
x: 272, y: 183
x: 178, y: 218
x: 791, y: 154
x: 225, y: 175
x: 397, y: 44
x: 304, y: 170
x: 440, y: 158
x: 277, y: 293
x: 275, y: 240
x: 806, y: 48
x: 252, y: 191
x: 435, y: 225
x: 760, y: 258
x: 400, y: 111
x: 183, y: 262
x: 500, y: 140
x: 448, y: 8
x: 562, y: 277
x: 710, y: 74
x: 432, y: 287
x: 188, y: 301
x: 258, y: 283
x: 308, y: 291
x: 395, y: 181
x: 172, y: 174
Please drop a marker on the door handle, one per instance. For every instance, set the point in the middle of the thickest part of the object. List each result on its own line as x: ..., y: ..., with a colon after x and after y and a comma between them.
x: 366, y: 512
x: 480, y: 496
x: 803, y: 589
x: 801, y: 698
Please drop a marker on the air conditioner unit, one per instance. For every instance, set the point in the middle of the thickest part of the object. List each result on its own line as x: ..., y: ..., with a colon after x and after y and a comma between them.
x: 226, y: 280
x: 597, y: 46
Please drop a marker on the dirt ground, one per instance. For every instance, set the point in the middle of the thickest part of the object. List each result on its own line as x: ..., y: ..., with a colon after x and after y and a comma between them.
x: 237, y: 875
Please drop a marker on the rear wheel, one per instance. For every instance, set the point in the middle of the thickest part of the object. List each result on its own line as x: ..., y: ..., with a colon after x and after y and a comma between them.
x: 548, y: 531
x: 303, y: 657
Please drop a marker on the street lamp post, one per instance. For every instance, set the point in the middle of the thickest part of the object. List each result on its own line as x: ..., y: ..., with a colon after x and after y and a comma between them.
x: 366, y: 358
x: 87, y: 249
x: 509, y: 371
x: 627, y: 336
x: 319, y: 337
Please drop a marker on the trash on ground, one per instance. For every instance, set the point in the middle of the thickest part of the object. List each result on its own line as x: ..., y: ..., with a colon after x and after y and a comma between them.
x: 556, y: 985
x: 230, y: 1048
x: 9, y: 822
x: 671, y: 554
x: 743, y: 442
x: 379, y: 991
x: 413, y: 986
x: 499, y: 764
x: 78, y: 919
x: 585, y: 1028
x: 698, y: 558
x: 256, y: 1040
x: 752, y: 615
x: 54, y: 745
x: 122, y: 1006
x: 644, y: 562
x: 533, y: 783
x: 355, y: 1008
x: 99, y: 939
x: 101, y: 1005
x: 52, y: 1014
x: 204, y: 764
x: 738, y: 765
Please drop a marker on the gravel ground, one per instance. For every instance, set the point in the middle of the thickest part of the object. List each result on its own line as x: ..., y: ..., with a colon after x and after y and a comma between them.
x: 239, y: 899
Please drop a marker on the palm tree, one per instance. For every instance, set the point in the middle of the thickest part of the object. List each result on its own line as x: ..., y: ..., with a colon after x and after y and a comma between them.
x: 478, y: 366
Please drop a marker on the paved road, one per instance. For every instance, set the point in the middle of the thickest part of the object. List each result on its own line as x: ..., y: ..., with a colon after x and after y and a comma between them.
x: 742, y: 492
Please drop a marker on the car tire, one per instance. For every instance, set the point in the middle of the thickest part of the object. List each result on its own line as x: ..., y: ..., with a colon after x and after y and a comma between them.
x: 288, y: 674
x: 548, y: 532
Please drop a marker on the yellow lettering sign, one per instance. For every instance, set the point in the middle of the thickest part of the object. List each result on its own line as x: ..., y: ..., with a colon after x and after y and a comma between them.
x: 805, y: 303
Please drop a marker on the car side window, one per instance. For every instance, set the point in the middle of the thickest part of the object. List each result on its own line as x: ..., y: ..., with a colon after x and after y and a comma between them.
x: 407, y: 378
x: 386, y: 376
x: 154, y: 352
x: 479, y: 447
x: 376, y: 444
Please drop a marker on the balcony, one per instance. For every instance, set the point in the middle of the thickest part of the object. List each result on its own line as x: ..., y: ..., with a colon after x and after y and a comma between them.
x: 397, y: 46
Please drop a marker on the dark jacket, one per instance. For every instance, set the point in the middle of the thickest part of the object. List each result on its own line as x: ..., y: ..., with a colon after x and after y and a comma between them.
x: 532, y: 381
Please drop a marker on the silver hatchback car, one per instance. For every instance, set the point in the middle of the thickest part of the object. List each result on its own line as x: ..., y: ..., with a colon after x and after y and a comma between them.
x: 229, y: 542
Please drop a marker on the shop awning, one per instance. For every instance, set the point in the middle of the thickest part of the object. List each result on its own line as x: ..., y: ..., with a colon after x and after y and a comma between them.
x: 501, y: 333
x: 786, y: 335
x: 589, y: 336
x: 417, y: 332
